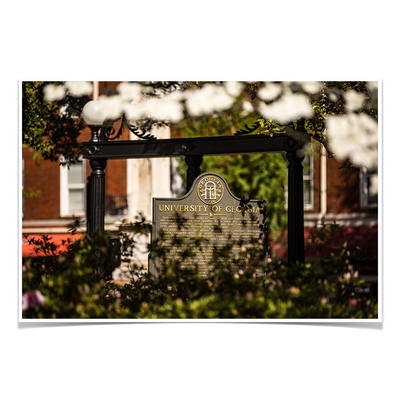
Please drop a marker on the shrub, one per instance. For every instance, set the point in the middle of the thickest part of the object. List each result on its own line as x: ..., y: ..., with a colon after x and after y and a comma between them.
x: 76, y: 283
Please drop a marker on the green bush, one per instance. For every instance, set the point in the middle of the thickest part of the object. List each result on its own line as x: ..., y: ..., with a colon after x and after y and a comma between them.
x: 71, y: 284
x: 68, y: 282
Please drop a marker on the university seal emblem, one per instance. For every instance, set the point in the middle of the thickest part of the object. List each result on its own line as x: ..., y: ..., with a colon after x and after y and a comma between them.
x: 210, y: 189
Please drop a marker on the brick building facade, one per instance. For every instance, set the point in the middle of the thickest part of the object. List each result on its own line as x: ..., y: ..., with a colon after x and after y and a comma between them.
x: 338, y: 192
x: 46, y: 178
x: 332, y: 194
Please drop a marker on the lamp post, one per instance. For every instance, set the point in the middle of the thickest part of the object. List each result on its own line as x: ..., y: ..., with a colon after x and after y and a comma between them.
x: 102, y: 131
x: 94, y: 116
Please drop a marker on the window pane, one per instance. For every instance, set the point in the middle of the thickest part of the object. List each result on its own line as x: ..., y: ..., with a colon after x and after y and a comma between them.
x: 307, y: 165
x: 75, y: 173
x: 372, y: 198
x: 76, y: 200
x: 307, y: 192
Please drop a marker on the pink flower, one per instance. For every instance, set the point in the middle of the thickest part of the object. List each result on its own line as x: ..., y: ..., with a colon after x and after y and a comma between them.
x: 31, y: 299
x: 39, y: 298
x: 25, y: 301
x: 249, y: 296
x: 353, y: 302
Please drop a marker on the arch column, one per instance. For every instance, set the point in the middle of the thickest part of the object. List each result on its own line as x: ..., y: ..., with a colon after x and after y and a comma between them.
x: 295, y: 207
x: 193, y: 171
x: 97, y: 196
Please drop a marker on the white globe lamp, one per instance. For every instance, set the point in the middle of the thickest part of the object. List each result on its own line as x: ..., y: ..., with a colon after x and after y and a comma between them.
x: 94, y: 116
x: 93, y: 113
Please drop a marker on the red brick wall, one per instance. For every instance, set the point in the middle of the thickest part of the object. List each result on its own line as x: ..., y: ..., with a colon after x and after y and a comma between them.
x: 46, y: 177
x: 104, y: 86
x: 116, y: 173
x: 343, y: 188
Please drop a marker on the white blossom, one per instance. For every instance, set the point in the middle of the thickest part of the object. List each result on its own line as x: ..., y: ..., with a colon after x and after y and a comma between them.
x: 269, y: 92
x: 373, y: 88
x: 134, y: 111
x: 372, y: 85
x: 112, y: 106
x: 311, y: 87
x: 176, y: 95
x: 332, y: 97
x: 233, y: 88
x: 164, y: 108
x: 210, y: 98
x: 289, y: 107
x: 129, y: 91
x: 79, y: 88
x: 247, y: 108
x: 354, y: 136
x: 354, y: 100
x: 54, y: 92
x: 374, y: 184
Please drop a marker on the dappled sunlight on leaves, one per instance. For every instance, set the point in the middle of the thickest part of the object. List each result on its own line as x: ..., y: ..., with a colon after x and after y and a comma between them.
x: 242, y: 286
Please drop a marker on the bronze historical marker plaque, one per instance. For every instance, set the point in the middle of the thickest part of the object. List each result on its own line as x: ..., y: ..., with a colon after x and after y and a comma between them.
x: 209, y: 210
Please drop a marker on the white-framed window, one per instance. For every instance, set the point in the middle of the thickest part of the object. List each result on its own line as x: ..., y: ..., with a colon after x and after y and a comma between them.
x: 367, y: 199
x: 308, y: 179
x: 308, y: 183
x: 73, y: 189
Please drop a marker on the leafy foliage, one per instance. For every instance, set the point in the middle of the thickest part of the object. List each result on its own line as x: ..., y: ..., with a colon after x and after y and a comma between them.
x: 51, y: 129
x: 75, y: 283
x: 70, y: 286
x: 255, y: 176
x: 328, y: 100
